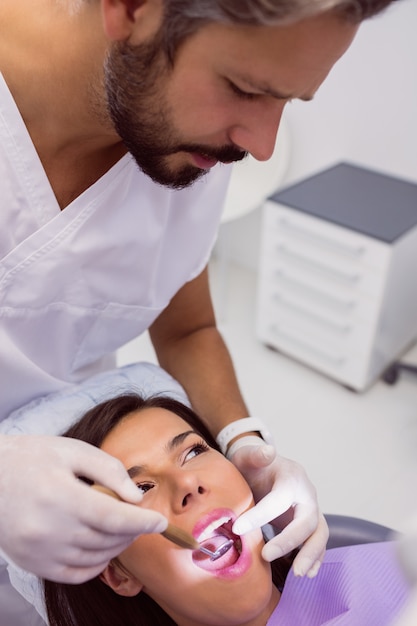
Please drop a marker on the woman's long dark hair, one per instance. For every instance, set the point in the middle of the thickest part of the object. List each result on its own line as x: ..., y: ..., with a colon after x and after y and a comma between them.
x: 93, y: 603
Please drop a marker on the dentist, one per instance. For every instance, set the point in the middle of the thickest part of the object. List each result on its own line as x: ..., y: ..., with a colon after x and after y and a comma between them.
x: 117, y: 121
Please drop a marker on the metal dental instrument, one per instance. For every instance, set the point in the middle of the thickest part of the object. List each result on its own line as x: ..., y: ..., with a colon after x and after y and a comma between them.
x: 185, y: 540
x: 177, y: 535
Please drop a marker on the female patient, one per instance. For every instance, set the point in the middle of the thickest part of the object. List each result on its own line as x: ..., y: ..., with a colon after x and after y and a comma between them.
x: 176, y: 464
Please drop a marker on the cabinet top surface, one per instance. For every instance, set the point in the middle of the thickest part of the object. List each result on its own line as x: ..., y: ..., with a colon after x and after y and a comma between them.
x: 377, y: 205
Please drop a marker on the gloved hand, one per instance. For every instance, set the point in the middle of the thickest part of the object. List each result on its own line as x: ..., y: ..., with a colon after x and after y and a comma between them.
x: 286, y: 498
x: 53, y: 524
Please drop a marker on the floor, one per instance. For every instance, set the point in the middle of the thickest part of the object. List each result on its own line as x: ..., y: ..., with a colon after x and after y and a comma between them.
x: 360, y: 450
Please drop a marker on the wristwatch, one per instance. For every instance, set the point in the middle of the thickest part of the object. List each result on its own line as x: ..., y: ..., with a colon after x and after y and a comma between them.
x: 239, y: 427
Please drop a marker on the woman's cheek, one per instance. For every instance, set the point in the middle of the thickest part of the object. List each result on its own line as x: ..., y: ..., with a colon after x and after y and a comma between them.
x: 158, y: 563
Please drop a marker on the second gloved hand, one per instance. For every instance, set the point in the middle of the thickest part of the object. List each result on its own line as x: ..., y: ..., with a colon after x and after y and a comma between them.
x: 56, y: 526
x: 286, y: 498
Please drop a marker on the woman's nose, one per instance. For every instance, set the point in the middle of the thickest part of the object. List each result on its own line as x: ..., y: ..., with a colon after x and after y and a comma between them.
x: 187, y: 488
x: 188, y: 496
x: 257, y: 134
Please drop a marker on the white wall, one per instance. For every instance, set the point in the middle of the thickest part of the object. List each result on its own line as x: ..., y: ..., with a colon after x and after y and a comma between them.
x: 365, y: 113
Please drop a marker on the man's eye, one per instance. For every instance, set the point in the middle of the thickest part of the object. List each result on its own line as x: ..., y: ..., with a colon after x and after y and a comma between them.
x: 144, y: 487
x: 244, y: 95
x: 196, y: 450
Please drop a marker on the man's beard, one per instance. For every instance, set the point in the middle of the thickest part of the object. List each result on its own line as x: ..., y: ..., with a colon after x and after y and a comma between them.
x: 134, y: 80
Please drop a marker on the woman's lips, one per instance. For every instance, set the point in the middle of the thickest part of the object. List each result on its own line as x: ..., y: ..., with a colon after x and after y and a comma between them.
x: 212, y: 531
x: 207, y: 524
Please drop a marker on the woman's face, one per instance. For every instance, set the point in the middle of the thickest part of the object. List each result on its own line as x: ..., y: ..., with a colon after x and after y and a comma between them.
x: 201, y: 492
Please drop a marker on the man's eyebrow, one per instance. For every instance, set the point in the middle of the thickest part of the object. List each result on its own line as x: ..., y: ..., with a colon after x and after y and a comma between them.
x: 268, y: 90
x: 173, y: 443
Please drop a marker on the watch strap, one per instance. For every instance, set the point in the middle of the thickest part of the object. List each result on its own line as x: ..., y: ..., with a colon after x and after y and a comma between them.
x: 240, y: 427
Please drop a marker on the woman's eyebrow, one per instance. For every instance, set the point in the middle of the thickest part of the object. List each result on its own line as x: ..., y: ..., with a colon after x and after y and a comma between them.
x: 173, y: 443
x: 178, y: 439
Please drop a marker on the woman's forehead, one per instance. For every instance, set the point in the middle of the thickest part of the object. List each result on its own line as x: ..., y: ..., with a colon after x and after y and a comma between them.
x: 143, y: 429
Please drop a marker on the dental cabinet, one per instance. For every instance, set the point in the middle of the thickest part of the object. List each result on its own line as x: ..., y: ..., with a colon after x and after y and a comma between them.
x: 338, y: 272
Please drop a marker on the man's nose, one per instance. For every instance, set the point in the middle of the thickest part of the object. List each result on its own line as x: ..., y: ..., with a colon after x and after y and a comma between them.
x: 258, y: 132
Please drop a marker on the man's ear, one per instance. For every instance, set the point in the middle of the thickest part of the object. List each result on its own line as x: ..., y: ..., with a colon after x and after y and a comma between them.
x: 136, y: 20
x: 120, y: 580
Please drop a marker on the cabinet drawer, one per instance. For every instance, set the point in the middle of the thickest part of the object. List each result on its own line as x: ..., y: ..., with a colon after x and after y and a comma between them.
x: 348, y: 368
x: 328, y: 272
x: 339, y: 301
x: 306, y: 232
x: 335, y: 267
x: 340, y: 337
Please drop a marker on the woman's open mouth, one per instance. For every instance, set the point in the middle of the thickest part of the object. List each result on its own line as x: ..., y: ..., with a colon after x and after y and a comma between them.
x: 215, y: 535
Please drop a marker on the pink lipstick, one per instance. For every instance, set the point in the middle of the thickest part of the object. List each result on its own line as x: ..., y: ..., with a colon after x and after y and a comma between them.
x: 211, y: 532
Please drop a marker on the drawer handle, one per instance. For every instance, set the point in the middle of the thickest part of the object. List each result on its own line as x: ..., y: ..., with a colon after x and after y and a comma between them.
x: 335, y: 359
x: 341, y: 328
x: 316, y: 265
x: 320, y: 240
x: 313, y: 292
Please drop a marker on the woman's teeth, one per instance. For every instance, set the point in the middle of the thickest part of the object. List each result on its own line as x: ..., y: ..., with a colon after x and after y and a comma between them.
x: 212, y: 528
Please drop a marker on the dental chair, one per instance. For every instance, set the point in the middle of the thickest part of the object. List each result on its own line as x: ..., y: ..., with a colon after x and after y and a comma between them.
x: 349, y: 531
x: 345, y: 530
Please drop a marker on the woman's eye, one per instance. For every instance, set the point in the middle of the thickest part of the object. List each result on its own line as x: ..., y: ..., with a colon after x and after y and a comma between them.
x: 196, y: 450
x: 144, y: 487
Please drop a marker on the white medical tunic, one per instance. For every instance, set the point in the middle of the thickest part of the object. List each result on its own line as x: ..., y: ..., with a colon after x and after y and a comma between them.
x: 77, y: 284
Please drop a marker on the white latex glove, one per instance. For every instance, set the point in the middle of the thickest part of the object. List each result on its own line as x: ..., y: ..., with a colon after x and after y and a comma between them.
x: 56, y: 526
x: 281, y: 488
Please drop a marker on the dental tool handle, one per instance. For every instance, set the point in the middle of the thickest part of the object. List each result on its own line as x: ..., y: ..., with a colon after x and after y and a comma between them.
x: 173, y: 533
x: 106, y: 491
x: 180, y: 537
